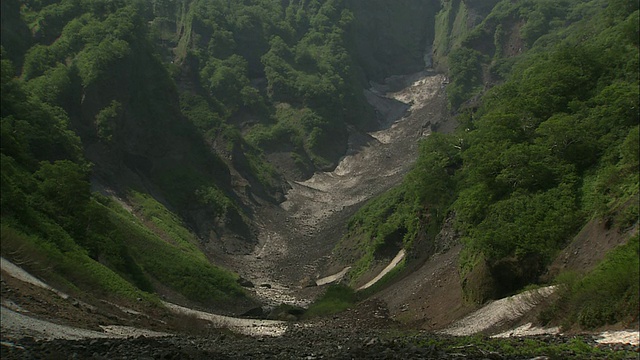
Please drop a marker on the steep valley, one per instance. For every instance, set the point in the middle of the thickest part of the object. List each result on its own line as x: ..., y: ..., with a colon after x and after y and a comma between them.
x: 297, y: 237
x: 329, y: 179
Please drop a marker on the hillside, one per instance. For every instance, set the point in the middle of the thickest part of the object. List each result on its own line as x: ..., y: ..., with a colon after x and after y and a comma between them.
x: 237, y: 157
x: 182, y: 118
x: 547, y: 145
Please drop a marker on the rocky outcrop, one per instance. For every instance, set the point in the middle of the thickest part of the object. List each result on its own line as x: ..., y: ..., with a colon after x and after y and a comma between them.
x: 454, y: 23
x: 390, y: 38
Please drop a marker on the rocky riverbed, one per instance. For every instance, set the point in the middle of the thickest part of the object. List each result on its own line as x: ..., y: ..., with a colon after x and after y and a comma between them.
x: 316, y: 343
x: 365, y: 331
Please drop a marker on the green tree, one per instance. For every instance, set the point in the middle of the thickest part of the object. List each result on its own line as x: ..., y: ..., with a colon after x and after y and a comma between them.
x: 63, y: 194
x: 53, y: 87
x: 280, y: 74
x: 107, y: 121
x: 431, y: 181
x: 37, y: 60
x: 466, y: 74
x: 96, y: 61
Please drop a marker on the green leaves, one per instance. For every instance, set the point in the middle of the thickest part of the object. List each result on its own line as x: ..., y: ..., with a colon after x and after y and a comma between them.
x: 527, y: 224
x: 280, y: 74
x: 95, y: 61
x: 431, y: 180
x: 606, y: 295
x: 466, y: 74
x: 568, y: 74
x: 546, y: 149
x: 227, y: 82
x: 63, y: 193
x: 215, y: 199
x: 54, y: 86
x: 107, y: 121
x: 37, y: 60
x: 539, y: 18
x: 630, y: 149
x: 336, y: 298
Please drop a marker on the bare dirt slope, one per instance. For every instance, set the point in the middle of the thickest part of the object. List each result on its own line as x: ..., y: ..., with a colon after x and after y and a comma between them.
x: 431, y: 297
x: 589, y: 247
x: 29, y: 309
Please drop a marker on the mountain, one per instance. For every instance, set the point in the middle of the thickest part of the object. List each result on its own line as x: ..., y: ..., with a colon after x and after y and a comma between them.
x: 136, y: 132
x: 146, y: 145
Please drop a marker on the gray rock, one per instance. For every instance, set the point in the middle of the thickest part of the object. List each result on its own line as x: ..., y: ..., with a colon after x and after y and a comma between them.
x: 244, y: 282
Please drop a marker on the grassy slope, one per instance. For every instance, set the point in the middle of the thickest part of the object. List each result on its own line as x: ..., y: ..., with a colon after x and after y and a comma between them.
x: 134, y: 254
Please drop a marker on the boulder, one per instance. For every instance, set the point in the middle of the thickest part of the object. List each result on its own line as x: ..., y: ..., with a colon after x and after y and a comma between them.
x: 244, y: 282
x: 308, y: 282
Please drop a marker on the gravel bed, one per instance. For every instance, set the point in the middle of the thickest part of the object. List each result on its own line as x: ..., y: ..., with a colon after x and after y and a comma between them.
x: 300, y: 343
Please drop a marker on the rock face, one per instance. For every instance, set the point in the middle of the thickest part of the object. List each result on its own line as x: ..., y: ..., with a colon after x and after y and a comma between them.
x: 390, y: 38
x: 245, y: 283
x: 479, y: 286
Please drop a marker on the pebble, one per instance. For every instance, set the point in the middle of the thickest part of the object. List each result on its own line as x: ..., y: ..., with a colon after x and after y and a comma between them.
x: 325, y: 343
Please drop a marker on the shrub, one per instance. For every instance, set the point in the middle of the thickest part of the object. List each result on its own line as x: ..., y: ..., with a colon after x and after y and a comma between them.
x: 606, y: 295
x: 337, y: 298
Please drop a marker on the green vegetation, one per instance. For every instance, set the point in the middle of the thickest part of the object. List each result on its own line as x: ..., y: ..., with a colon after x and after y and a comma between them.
x: 70, y: 270
x: 606, y: 295
x: 168, y: 98
x: 96, y: 245
x: 466, y: 72
x: 336, y: 298
x: 297, y: 48
x: 50, y: 218
x: 373, y: 230
x: 451, y: 28
x: 383, y: 282
x: 180, y: 265
x: 535, y: 145
x: 394, y: 220
x: 484, y: 347
x: 174, y: 105
x: 551, y: 145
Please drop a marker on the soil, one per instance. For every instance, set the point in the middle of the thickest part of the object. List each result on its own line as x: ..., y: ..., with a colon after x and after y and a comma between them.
x: 430, y: 297
x: 588, y: 248
x: 86, y: 314
x: 332, y: 339
x: 366, y: 331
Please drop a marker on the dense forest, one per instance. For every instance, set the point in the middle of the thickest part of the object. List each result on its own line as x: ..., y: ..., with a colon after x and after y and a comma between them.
x: 134, y: 133
x: 548, y: 140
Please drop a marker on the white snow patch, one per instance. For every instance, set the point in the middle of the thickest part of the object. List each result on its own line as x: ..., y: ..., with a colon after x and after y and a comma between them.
x: 499, y: 312
x: 399, y: 257
x: 19, y: 325
x: 528, y: 330
x: 249, y: 327
x: 631, y: 337
x: 128, y: 331
x: 16, y: 325
x: 20, y: 274
x: 333, y: 278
